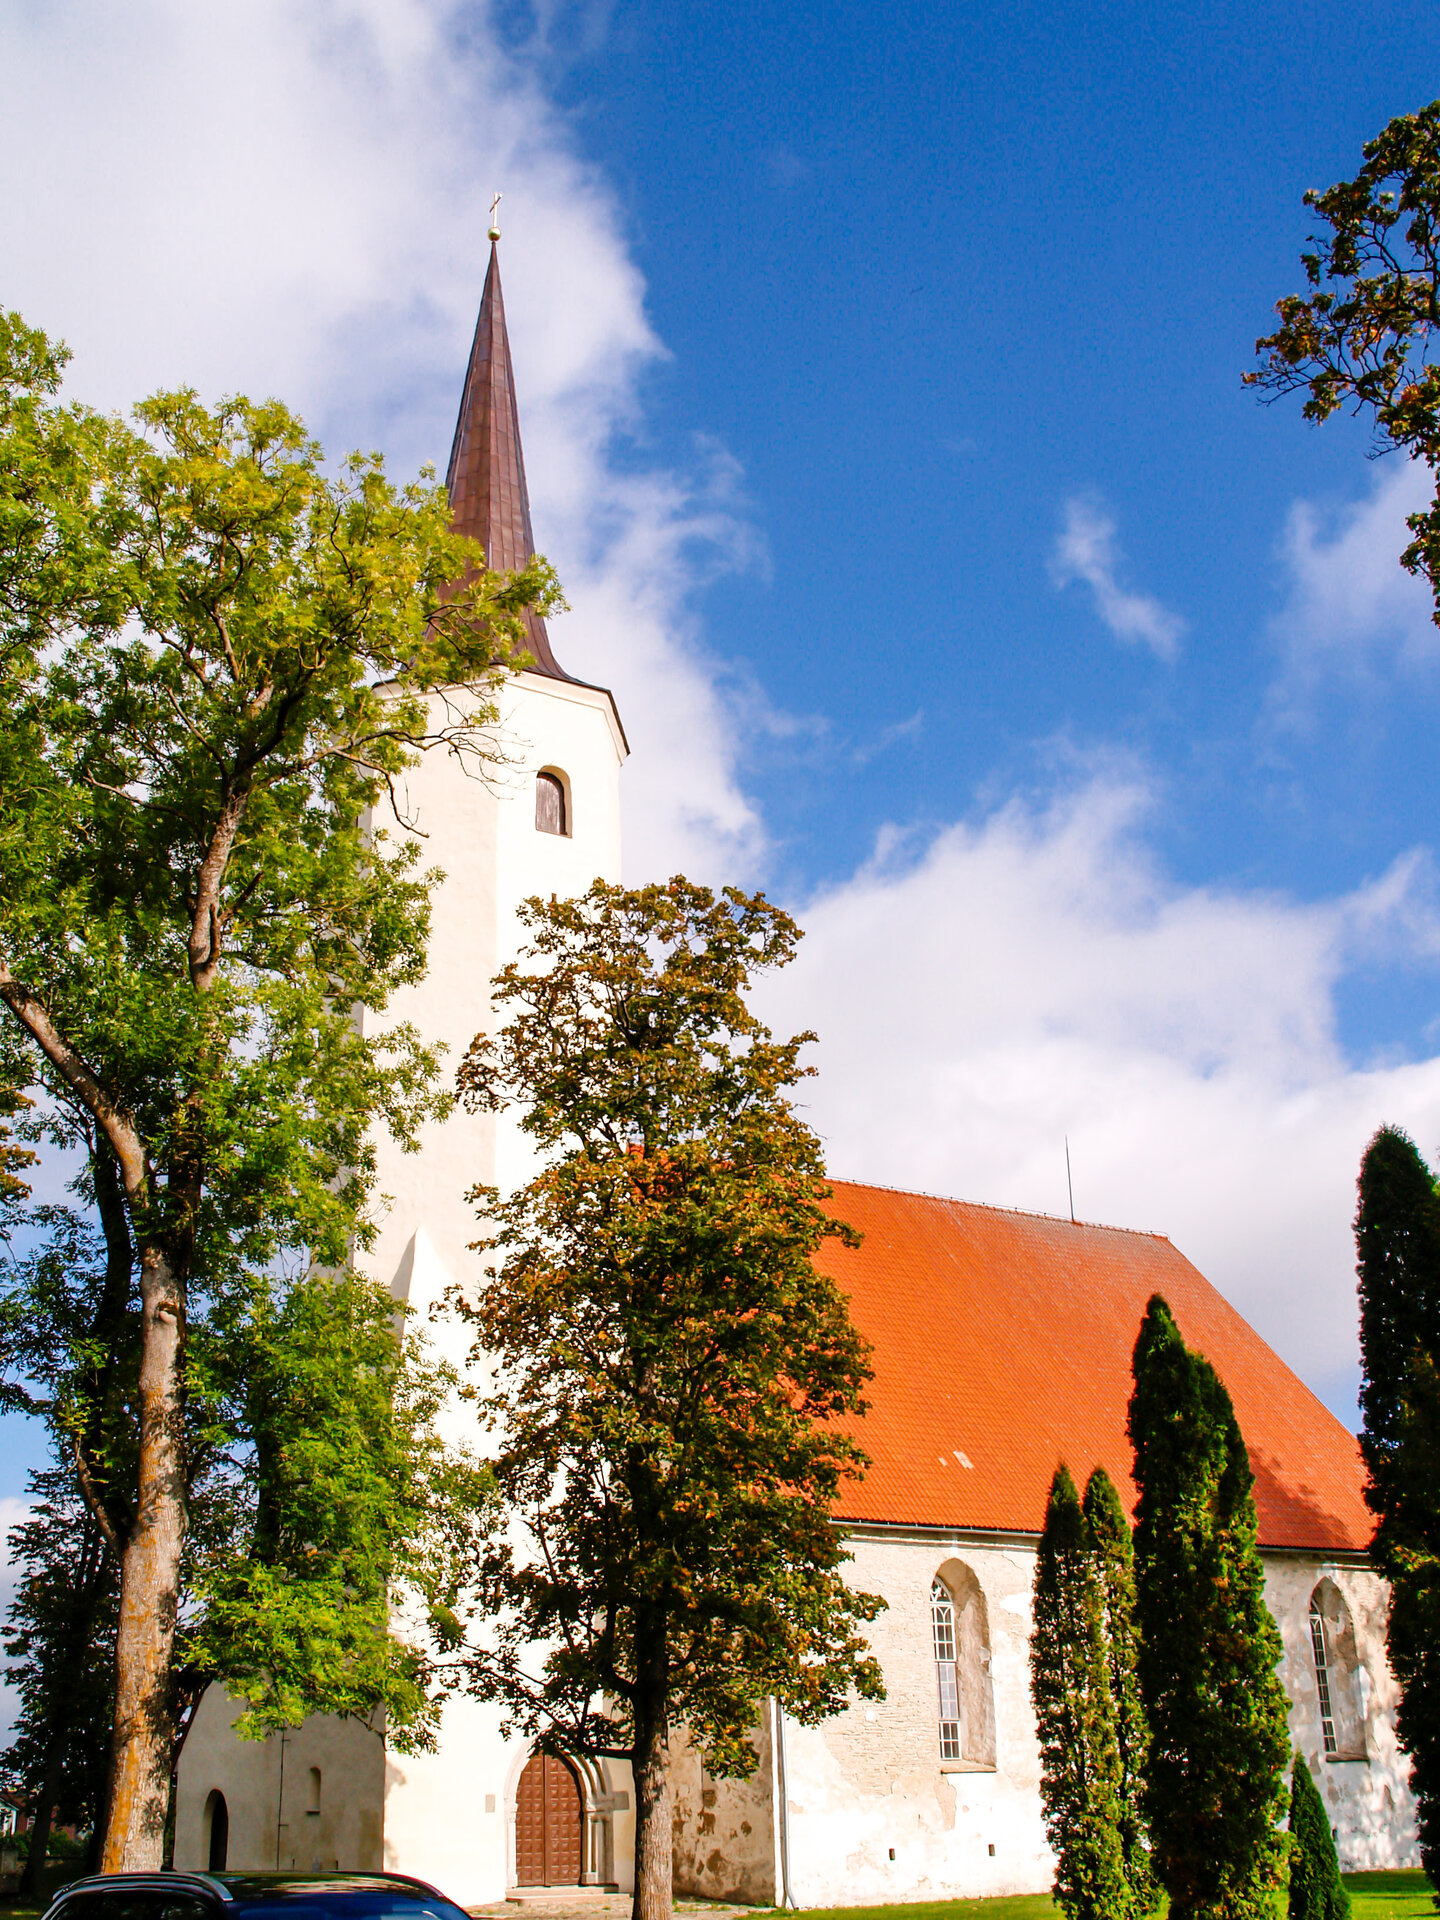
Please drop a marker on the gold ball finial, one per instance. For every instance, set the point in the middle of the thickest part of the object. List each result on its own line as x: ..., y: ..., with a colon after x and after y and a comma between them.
x: 494, y: 221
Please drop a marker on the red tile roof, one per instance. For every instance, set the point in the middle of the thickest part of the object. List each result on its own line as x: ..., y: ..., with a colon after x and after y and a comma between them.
x: 1002, y: 1346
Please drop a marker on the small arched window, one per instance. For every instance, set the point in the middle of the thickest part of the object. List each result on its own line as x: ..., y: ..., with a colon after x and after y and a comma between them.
x: 550, y: 809
x: 217, y: 1832
x: 312, y: 1805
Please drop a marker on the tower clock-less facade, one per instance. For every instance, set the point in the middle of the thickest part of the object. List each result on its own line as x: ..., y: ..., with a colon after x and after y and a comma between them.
x: 478, y: 1814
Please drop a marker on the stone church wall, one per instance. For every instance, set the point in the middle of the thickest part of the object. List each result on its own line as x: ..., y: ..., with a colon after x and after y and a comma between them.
x: 870, y: 1813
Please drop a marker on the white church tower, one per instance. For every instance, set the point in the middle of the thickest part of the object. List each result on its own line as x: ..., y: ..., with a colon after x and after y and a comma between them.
x: 480, y: 1814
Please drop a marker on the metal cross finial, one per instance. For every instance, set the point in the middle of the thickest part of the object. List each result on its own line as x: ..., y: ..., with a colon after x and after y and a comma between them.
x: 494, y: 223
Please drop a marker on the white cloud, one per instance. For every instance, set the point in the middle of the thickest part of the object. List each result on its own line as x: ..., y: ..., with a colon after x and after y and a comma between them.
x: 292, y: 198
x: 1086, y: 551
x: 1351, y: 609
x: 1035, y: 975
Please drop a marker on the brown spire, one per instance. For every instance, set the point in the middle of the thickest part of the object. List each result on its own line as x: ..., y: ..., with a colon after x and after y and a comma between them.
x: 486, y: 478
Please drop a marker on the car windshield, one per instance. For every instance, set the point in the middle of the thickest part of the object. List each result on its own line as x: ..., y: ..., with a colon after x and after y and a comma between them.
x: 335, y: 1899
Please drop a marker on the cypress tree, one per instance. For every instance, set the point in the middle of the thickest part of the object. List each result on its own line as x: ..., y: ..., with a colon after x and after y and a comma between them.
x: 1109, y: 1533
x: 1215, y: 1779
x: 1397, y: 1236
x: 1316, y: 1889
x: 1075, y: 1716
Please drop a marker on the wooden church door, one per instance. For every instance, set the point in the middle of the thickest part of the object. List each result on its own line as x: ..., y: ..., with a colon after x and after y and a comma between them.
x: 547, y: 1824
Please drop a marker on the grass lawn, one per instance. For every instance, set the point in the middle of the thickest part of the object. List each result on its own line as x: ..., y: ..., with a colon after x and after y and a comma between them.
x: 1389, y: 1896
x: 1373, y: 1896
x: 1013, y: 1906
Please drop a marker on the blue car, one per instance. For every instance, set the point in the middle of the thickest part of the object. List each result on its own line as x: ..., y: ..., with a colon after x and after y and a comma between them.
x: 251, y: 1896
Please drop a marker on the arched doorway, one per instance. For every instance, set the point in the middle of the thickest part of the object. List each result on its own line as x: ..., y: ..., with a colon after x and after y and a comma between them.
x: 217, y: 1829
x: 548, y: 1824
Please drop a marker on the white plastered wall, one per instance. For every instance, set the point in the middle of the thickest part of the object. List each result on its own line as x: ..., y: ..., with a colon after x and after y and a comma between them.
x: 870, y: 1781
x: 447, y: 1816
x: 1371, y: 1807
x: 277, y: 1819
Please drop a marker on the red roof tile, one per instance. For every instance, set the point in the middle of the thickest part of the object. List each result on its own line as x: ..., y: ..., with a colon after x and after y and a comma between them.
x: 1002, y: 1346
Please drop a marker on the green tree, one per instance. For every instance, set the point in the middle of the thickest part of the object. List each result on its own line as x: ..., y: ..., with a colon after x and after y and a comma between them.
x: 218, y: 659
x: 1109, y: 1533
x: 59, y: 1639
x: 1316, y: 1889
x: 672, y: 1370
x: 354, y: 1530
x: 1363, y: 337
x: 1080, y: 1777
x: 317, y: 1491
x: 1397, y: 1237
x: 1215, y: 1782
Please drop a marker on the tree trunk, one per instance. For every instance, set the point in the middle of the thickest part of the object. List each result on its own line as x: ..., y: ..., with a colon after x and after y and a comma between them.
x: 142, y: 1752
x: 654, y: 1833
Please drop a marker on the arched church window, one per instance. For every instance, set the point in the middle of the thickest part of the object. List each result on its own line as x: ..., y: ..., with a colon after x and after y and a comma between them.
x: 960, y: 1631
x: 1338, y: 1682
x: 942, y: 1630
x: 550, y: 808
x: 1321, y: 1651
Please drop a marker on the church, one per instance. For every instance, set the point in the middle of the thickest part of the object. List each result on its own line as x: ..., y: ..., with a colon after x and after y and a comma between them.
x: 1002, y: 1346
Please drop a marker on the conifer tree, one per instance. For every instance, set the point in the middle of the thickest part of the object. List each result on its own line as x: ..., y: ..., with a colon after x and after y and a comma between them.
x: 1109, y: 1533
x: 1080, y: 1775
x: 1215, y: 1779
x: 1316, y: 1889
x: 1397, y: 1239
x: 1397, y: 1234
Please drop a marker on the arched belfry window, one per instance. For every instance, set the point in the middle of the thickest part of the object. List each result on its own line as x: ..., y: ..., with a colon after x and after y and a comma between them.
x: 551, y: 812
x: 1339, y: 1682
x: 960, y: 1637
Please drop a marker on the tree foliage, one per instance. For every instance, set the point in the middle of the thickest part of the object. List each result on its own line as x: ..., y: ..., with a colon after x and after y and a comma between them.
x: 216, y: 658
x: 673, y: 1373
x: 316, y: 1490
x: 1397, y: 1239
x: 1397, y: 1235
x: 1316, y: 1889
x: 1109, y: 1534
x: 1363, y: 337
x: 1215, y: 1781
x: 1075, y: 1716
x: 59, y: 1639
x: 351, y: 1569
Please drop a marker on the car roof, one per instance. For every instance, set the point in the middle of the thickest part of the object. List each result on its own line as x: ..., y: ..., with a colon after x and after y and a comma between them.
x: 240, y: 1886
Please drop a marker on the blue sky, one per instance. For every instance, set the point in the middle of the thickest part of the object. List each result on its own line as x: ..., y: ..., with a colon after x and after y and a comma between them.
x: 880, y: 377
x: 927, y: 273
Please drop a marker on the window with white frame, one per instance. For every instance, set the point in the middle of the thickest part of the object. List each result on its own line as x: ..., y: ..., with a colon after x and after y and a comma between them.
x: 947, y: 1679
x: 1320, y: 1648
